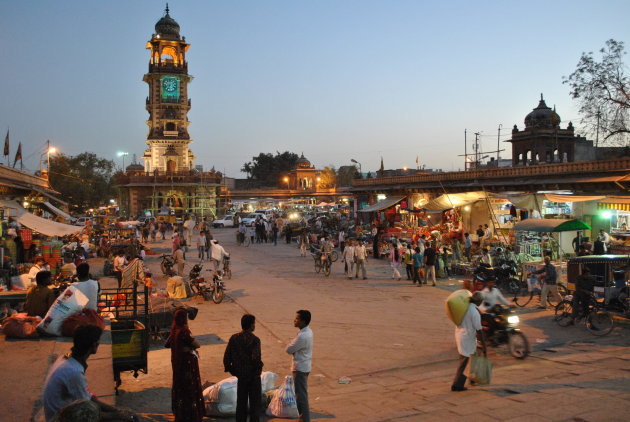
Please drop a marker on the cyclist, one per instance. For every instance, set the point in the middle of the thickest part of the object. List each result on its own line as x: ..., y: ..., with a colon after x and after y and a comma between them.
x: 551, y: 277
x: 327, y: 248
x: 583, y: 288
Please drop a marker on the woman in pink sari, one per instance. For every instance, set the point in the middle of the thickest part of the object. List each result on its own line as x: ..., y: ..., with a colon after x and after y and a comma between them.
x: 187, y: 398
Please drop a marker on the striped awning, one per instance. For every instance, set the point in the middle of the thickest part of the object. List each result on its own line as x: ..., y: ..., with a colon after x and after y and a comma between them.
x: 618, y: 207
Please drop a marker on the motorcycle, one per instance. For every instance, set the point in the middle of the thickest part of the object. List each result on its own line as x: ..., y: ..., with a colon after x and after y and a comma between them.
x: 503, y: 275
x: 207, y: 290
x: 500, y: 325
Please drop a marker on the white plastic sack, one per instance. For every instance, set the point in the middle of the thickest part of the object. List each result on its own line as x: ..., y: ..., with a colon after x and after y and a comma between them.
x: 21, y: 282
x: 71, y: 301
x: 220, y: 398
x: 268, y: 381
x: 283, y: 404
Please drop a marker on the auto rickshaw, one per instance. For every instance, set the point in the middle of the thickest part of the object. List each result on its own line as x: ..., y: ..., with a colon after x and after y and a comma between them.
x: 611, y: 272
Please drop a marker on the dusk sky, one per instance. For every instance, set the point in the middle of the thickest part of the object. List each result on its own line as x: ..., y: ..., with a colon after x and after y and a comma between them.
x: 334, y: 79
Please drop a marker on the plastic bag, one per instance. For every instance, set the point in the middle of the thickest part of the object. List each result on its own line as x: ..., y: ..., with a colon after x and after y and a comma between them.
x: 71, y: 301
x: 220, y: 398
x: 268, y: 381
x: 85, y: 317
x: 480, y: 369
x: 283, y: 404
x: 21, y: 326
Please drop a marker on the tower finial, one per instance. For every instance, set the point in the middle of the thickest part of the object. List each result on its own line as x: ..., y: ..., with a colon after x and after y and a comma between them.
x: 541, y: 96
x: 167, y: 10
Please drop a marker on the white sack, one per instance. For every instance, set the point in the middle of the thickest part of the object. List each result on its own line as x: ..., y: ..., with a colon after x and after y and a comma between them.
x: 71, y: 301
x: 283, y: 404
x: 220, y: 398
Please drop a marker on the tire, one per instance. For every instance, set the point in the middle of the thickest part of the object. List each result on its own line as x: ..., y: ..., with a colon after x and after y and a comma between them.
x: 318, y: 265
x: 552, y: 300
x: 564, y: 312
x: 599, y: 322
x: 207, y: 295
x: 228, y: 274
x: 523, y: 296
x: 518, y: 345
x: 217, y: 295
x: 334, y: 256
x: 326, y: 268
x: 221, y: 226
x: 562, y: 290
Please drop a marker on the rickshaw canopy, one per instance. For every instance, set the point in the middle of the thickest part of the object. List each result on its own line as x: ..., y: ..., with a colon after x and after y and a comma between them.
x: 551, y: 225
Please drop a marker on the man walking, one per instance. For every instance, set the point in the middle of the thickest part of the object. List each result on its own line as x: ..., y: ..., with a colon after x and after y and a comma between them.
x: 360, y: 256
x: 180, y: 260
x: 417, y: 259
x: 348, y: 259
x: 243, y: 359
x: 551, y: 283
x: 466, y: 339
x: 467, y: 246
x: 302, y: 350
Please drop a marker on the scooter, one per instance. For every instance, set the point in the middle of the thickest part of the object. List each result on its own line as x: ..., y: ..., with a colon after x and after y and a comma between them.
x: 500, y: 325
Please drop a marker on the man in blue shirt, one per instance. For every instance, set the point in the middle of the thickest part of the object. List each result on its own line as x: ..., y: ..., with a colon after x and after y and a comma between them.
x: 418, y: 259
x: 550, y: 286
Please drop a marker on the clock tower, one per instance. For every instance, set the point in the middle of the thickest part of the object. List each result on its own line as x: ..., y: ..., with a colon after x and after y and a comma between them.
x: 168, y: 102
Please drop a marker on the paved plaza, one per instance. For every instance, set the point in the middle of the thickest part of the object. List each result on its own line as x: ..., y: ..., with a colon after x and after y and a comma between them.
x: 395, y: 343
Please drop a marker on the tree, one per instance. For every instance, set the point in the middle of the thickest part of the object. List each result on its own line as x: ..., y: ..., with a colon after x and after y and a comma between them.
x: 269, y: 169
x: 84, y: 180
x: 328, y: 177
x: 346, y: 175
x: 602, y: 89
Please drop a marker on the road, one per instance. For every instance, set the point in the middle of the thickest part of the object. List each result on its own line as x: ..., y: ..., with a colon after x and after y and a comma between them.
x: 393, y: 340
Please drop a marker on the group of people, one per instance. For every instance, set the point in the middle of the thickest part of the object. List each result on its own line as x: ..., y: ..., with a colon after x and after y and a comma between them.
x: 243, y: 359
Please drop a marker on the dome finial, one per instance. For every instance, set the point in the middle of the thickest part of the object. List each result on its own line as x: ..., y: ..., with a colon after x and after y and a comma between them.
x: 541, y: 96
x: 167, y: 9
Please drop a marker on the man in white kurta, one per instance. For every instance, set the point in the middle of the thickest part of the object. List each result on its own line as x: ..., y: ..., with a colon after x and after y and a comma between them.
x: 466, y: 339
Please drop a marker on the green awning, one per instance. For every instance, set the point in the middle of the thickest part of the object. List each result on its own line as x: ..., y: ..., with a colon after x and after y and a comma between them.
x: 551, y: 225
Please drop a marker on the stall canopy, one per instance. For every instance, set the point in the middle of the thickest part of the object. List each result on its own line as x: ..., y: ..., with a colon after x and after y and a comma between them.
x: 452, y: 200
x: 385, y: 203
x: 41, y: 225
x: 550, y: 225
x: 59, y: 212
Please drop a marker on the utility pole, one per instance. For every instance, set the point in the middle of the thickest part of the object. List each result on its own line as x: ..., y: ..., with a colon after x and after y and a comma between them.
x: 465, y: 152
x: 477, y: 149
x: 597, y: 130
x: 498, y: 144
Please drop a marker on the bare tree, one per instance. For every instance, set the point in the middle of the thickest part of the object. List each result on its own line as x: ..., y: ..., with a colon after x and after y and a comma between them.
x: 602, y: 89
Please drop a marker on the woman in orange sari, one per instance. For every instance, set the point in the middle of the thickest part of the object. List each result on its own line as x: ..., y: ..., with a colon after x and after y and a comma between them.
x: 187, y: 398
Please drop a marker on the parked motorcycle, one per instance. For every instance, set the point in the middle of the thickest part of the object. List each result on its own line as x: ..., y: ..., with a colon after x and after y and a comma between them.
x: 503, y: 275
x: 214, y: 290
x: 500, y: 325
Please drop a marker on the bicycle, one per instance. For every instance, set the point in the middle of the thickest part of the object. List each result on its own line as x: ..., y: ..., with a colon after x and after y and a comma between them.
x: 527, y: 292
x: 242, y: 239
x: 227, y: 269
x: 597, y: 320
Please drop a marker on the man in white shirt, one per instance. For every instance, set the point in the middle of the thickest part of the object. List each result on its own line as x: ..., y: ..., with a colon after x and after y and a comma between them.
x: 348, y: 258
x: 119, y: 265
x: 360, y: 256
x: 342, y: 240
x: 466, y: 340
x: 302, y: 350
x: 40, y: 265
x: 217, y: 253
x: 88, y: 287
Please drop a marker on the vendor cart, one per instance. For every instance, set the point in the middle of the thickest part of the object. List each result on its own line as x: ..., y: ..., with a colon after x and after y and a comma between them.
x: 129, y: 311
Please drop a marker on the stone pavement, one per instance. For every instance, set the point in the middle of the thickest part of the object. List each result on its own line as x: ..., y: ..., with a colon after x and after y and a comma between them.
x: 394, y: 342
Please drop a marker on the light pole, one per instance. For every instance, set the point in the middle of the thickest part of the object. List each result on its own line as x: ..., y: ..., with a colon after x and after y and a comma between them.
x: 123, y: 154
x: 352, y: 160
x: 49, y: 150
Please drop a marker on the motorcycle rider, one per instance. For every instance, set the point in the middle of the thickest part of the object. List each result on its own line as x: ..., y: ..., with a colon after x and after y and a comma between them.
x: 492, y: 297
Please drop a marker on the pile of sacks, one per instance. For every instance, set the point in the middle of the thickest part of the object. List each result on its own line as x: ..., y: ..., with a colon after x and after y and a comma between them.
x: 220, y: 398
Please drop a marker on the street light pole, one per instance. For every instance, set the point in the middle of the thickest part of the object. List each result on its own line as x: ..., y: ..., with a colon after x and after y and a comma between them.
x: 122, y: 154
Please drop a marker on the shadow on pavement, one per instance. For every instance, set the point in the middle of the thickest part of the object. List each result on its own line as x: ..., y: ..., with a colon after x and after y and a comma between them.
x: 235, y: 294
x: 504, y: 390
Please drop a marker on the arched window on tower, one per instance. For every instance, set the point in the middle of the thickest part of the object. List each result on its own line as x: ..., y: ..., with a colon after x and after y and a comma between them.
x: 170, y: 126
x: 171, y: 166
x: 169, y: 55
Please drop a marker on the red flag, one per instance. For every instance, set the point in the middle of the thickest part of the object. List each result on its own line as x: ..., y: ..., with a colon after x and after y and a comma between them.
x: 18, y: 155
x: 416, y: 159
x: 6, y: 144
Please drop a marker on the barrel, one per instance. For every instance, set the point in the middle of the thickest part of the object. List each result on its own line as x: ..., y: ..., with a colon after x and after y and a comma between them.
x: 66, y: 272
x: 45, y: 250
x: 56, y: 252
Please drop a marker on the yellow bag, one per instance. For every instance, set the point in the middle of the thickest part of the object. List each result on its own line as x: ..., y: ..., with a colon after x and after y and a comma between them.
x: 457, y: 304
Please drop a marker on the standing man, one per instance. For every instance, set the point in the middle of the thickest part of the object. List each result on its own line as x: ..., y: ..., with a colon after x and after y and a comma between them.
x: 430, y: 258
x: 466, y: 339
x: 217, y: 253
x: 467, y: 246
x: 243, y: 359
x: 360, y: 257
x: 487, y: 235
x: 90, y: 288
x: 342, y: 240
x: 302, y: 350
x: 348, y: 258
x: 375, y: 237
x: 417, y: 259
x: 119, y: 264
x: 605, y: 238
x: 179, y: 260
x: 551, y: 285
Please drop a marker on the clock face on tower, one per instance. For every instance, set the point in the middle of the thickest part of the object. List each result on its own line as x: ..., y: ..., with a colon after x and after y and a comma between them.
x: 170, y: 88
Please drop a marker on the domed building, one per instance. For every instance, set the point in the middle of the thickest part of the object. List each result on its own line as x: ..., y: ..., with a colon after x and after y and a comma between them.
x: 544, y: 141
x: 304, y: 176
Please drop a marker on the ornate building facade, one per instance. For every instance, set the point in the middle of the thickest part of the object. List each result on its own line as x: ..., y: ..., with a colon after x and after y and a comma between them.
x: 168, y: 182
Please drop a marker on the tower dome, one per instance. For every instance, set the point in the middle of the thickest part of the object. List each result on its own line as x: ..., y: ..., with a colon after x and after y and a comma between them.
x: 542, y: 117
x: 303, y: 162
x: 167, y: 27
